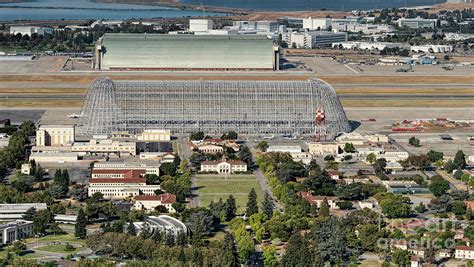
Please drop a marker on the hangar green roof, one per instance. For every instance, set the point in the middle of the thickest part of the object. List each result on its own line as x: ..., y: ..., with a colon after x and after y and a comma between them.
x: 185, y: 51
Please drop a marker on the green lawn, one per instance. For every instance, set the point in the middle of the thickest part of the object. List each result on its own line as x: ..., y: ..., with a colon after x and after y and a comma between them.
x: 58, y: 238
x: 58, y: 248
x: 213, y: 187
x: 29, y: 255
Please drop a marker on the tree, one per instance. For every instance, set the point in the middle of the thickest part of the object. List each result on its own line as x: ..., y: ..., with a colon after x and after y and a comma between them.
x: 28, y: 127
x: 245, y: 155
x: 421, y: 208
x: 449, y: 166
x: 459, y: 160
x: 269, y: 256
x: 263, y: 145
x: 41, y: 221
x: 438, y: 186
x: 371, y: 158
x: 320, y: 183
x: 80, y: 230
x: 267, y: 205
x: 458, y: 208
x: 344, y: 205
x: 329, y: 234
x: 324, y: 208
x: 434, y: 156
x: 228, y: 252
x: 349, y: 148
x: 168, y: 168
x: 252, y: 206
x: 401, y: 257
x: 19, y: 247
x: 413, y: 141
x: 131, y: 230
x: 298, y: 252
x: 394, y: 206
x: 152, y: 178
x: 369, y: 235
x: 195, y: 136
x: 230, y: 208
x: 30, y: 214
x: 230, y: 135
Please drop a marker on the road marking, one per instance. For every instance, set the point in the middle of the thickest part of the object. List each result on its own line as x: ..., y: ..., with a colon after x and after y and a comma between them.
x: 347, y: 66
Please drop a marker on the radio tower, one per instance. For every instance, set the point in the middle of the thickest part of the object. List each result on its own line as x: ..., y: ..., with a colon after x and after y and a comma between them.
x: 320, y: 129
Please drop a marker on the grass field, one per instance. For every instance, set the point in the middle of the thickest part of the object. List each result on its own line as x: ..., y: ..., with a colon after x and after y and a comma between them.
x: 70, y: 238
x: 58, y: 248
x: 213, y: 187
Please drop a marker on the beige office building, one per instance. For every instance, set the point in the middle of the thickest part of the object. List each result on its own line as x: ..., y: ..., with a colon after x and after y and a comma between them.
x: 153, y: 135
x: 105, y: 146
x: 323, y: 148
x: 55, y: 135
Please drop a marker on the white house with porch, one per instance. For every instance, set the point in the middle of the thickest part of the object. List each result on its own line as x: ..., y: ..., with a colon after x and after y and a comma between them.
x: 224, y: 166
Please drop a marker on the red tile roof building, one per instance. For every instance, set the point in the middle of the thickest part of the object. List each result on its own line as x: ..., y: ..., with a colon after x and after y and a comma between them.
x: 150, y: 202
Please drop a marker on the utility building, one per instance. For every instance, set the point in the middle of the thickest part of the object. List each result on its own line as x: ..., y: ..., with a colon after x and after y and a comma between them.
x: 186, y: 52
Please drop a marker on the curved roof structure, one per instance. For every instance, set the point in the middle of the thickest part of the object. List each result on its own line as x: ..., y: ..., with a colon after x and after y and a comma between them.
x: 248, y: 107
x: 185, y: 51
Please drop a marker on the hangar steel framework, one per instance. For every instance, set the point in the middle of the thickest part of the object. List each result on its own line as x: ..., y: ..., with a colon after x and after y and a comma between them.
x: 248, y: 107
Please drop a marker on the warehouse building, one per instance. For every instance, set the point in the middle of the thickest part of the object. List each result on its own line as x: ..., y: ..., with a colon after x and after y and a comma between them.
x: 186, y: 52
x: 215, y: 107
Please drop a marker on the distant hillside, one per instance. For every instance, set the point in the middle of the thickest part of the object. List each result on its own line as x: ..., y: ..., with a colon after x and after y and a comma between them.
x: 11, y: 1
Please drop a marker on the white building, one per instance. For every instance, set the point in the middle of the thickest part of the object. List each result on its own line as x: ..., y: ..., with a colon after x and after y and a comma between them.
x: 432, y: 48
x: 154, y: 135
x: 16, y: 211
x: 369, y: 45
x: 120, y: 188
x: 54, y: 157
x: 150, y: 202
x: 258, y: 26
x: 200, y: 25
x: 318, y: 200
x: 417, y: 23
x: 55, y: 135
x: 314, y: 39
x: 464, y: 253
x: 30, y: 30
x: 366, y: 205
x: 220, y: 166
x: 26, y: 168
x: 14, y: 231
x: 394, y: 156
x: 317, y: 23
x: 4, y: 140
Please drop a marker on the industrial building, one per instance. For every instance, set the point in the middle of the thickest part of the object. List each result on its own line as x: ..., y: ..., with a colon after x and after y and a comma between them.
x: 200, y: 25
x: 248, y: 107
x: 30, y: 30
x: 16, y: 211
x: 186, y: 52
x: 317, y: 23
x: 314, y: 39
x: 418, y: 23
